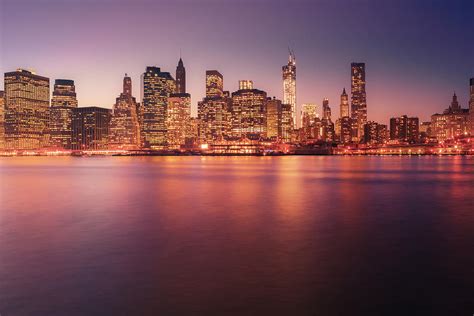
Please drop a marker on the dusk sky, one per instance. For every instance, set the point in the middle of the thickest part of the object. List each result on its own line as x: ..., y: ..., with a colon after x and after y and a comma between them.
x: 416, y: 52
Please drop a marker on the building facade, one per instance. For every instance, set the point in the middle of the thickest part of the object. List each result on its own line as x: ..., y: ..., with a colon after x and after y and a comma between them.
x: 452, y: 123
x: 124, y: 130
x: 249, y: 116
x: 405, y: 129
x: 214, y: 84
x: 2, y: 120
x: 289, y: 86
x: 60, y: 118
x: 375, y: 133
x: 471, y: 106
x: 358, y: 101
x: 273, y: 118
x: 157, y: 87
x: 179, y: 119
x: 90, y: 128
x: 26, y: 110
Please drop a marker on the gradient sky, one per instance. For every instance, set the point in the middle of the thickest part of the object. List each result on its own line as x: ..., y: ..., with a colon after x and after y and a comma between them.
x: 416, y: 52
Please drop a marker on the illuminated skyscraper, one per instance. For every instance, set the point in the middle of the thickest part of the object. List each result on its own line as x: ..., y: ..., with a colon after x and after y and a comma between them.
x: 2, y: 120
x: 344, y: 106
x: 358, y: 101
x: 289, y: 86
x: 346, y: 130
x: 180, y: 77
x: 157, y: 87
x: 60, y: 116
x: 214, y: 111
x: 26, y: 110
x: 285, y: 125
x: 273, y: 117
x: 214, y: 84
x: 310, y: 122
x: 90, y: 128
x: 179, y: 119
x: 326, y: 122
x: 124, y: 125
x: 249, y: 116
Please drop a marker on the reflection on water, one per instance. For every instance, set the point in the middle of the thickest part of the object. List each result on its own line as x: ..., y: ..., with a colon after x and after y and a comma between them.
x: 236, y: 235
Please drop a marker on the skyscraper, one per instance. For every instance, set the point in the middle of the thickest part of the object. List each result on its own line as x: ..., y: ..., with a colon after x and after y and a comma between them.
x: 157, y: 87
x: 310, y: 122
x: 214, y: 84
x: 90, y: 128
x: 289, y: 86
x: 214, y: 111
x: 124, y: 124
x: 344, y: 106
x: 60, y: 116
x: 285, y: 125
x: 2, y: 120
x: 245, y: 84
x: 249, y: 113
x: 452, y: 123
x: 26, y: 110
x: 179, y: 119
x: 64, y: 93
x: 326, y: 122
x: 180, y: 77
x: 273, y: 117
x: 358, y: 101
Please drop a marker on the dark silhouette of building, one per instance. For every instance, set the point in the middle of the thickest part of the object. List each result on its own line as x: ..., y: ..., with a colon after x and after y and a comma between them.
x: 180, y: 77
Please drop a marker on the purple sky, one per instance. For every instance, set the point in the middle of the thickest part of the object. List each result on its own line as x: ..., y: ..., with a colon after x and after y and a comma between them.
x: 416, y: 52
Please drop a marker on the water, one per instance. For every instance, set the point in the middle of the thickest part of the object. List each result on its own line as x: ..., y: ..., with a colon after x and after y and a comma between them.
x: 237, y: 235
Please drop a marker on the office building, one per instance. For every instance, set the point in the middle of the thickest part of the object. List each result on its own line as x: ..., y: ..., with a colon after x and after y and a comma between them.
x: 405, y: 129
x: 90, y: 128
x: 26, y: 110
x: 60, y: 117
x: 179, y: 119
x: 358, y: 101
x: 124, y: 130
x: 289, y: 86
x: 157, y: 87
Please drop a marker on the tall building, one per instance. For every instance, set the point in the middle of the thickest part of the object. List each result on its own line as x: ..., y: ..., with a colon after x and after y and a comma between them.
x: 214, y: 111
x: 289, y: 86
x: 310, y: 122
x: 453, y: 122
x: 157, y: 87
x: 60, y: 116
x: 214, y: 84
x: 180, y: 77
x: 90, y: 128
x: 124, y: 130
x: 273, y: 118
x: 285, y: 125
x: 249, y: 113
x: 344, y: 105
x: 405, y: 129
x: 358, y: 101
x: 26, y: 110
x: 471, y: 106
x: 179, y: 119
x: 345, y: 135
x: 2, y: 120
x: 326, y: 123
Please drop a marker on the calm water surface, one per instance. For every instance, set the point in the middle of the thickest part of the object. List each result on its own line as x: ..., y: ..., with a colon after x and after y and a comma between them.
x: 237, y: 235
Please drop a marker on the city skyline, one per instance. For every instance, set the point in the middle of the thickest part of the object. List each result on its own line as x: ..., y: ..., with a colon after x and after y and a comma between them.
x: 418, y: 82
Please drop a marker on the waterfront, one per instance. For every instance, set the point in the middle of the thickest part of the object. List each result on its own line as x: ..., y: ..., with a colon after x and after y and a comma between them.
x: 236, y: 235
